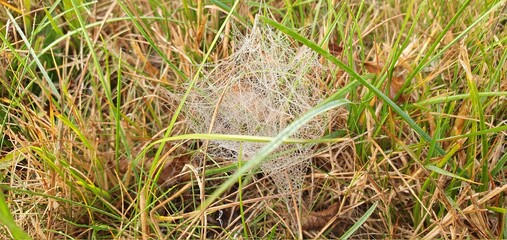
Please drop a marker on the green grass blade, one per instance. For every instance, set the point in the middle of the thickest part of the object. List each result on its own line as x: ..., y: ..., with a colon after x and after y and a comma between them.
x: 143, y: 30
x: 263, y: 154
x: 54, y: 24
x: 244, y: 138
x: 226, y: 8
x: 356, y: 76
x: 90, y: 44
x: 477, y: 110
x: 497, y: 209
x: 424, y: 62
x: 446, y: 173
x: 471, y: 134
x: 500, y: 166
x: 77, y: 130
x: 72, y: 12
x: 5, y: 187
x: 189, y: 88
x: 50, y: 83
x: 444, y: 99
x: 359, y: 223
x: 7, y: 220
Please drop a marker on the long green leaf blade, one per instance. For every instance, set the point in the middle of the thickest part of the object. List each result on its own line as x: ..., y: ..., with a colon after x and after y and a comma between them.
x: 359, y: 223
x: 275, y: 143
x: 356, y: 76
x: 7, y: 220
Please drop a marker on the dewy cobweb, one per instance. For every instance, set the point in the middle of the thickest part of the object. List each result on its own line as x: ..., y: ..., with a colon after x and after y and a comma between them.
x: 258, y: 91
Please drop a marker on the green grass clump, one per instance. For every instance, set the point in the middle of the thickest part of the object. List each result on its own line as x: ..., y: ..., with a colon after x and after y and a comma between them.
x: 95, y: 143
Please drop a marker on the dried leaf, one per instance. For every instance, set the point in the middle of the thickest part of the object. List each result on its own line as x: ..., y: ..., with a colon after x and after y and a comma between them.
x: 396, y: 84
x: 372, y: 67
x: 335, y: 49
x: 170, y: 173
x: 396, y: 81
x: 459, y: 123
x: 172, y: 169
x: 431, y: 123
x: 317, y: 220
x: 200, y: 29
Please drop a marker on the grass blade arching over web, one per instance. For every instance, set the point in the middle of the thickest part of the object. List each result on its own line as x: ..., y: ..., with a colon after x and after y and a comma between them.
x: 271, y: 146
x: 356, y: 76
x: 243, y: 138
